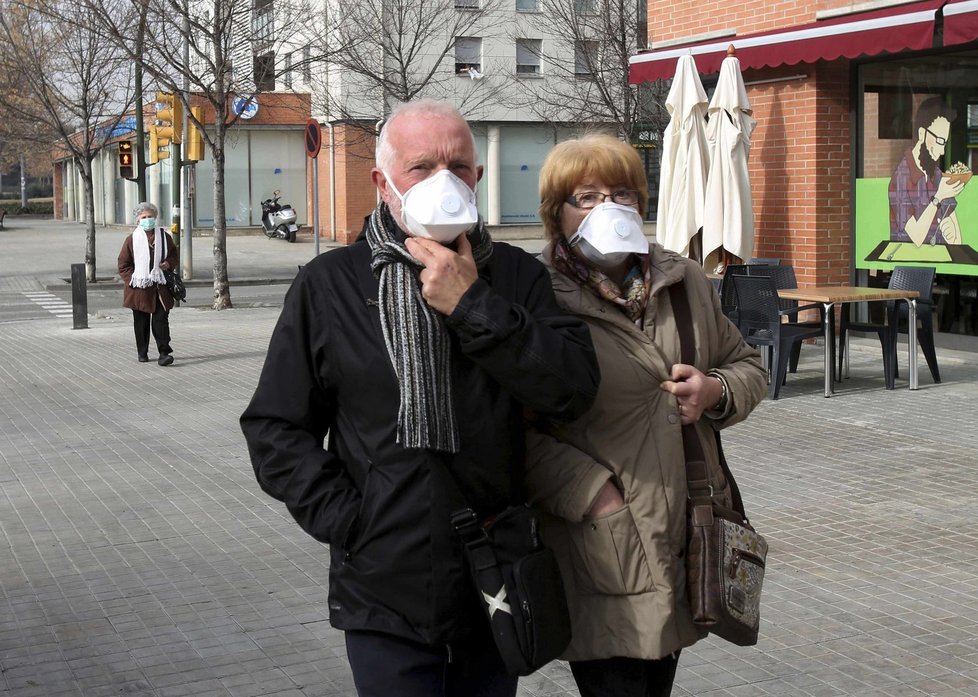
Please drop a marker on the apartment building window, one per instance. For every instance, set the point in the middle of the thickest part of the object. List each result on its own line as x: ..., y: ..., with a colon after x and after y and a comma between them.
x: 585, y: 55
x: 585, y: 7
x: 265, y: 72
x: 307, y: 64
x: 468, y: 55
x: 527, y: 6
x: 263, y: 22
x: 528, y: 56
x: 467, y: 4
x: 287, y: 76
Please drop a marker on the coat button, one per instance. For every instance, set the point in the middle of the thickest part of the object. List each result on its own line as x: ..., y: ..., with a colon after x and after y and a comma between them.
x: 673, y: 418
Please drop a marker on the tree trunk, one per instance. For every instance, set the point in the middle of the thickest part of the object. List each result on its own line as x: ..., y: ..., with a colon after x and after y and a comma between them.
x: 86, y: 171
x: 222, y: 289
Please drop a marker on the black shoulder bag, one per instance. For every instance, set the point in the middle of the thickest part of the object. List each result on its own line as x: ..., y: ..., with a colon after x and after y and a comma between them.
x: 725, y: 557
x: 519, y: 585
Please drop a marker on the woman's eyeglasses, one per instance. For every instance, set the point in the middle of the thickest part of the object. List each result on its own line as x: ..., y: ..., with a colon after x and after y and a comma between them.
x: 590, y: 199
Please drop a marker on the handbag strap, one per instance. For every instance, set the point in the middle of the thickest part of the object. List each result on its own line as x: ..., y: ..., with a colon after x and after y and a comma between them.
x: 696, y: 476
x: 490, y: 582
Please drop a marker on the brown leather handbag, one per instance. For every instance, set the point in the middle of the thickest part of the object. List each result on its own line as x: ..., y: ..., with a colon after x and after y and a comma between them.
x: 725, y: 556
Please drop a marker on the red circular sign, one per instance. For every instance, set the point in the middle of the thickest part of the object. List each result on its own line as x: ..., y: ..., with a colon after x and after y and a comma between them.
x: 314, y: 137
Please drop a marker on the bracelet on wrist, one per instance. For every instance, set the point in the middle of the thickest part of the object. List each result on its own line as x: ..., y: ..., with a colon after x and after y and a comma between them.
x: 721, y: 404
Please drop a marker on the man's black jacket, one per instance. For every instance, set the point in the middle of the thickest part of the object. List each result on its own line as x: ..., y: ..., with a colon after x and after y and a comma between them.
x: 396, y: 565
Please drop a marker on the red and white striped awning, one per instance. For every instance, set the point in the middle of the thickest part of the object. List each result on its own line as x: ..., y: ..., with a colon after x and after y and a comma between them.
x: 891, y: 30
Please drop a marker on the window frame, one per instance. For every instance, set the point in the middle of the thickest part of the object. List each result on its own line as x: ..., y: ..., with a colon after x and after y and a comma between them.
x: 462, y: 65
x: 534, y: 52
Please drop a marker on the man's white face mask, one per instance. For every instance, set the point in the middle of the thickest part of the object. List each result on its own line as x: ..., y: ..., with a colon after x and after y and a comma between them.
x: 439, y: 208
x: 608, y: 234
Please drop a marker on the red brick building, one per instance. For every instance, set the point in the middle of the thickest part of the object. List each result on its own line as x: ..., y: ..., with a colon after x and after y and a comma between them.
x: 834, y: 86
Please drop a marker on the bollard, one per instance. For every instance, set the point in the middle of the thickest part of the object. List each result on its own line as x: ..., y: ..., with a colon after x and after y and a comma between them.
x: 79, y: 297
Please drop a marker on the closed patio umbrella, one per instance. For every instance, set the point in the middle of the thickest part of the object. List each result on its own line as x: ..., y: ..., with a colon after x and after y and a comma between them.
x: 728, y: 224
x: 685, y: 159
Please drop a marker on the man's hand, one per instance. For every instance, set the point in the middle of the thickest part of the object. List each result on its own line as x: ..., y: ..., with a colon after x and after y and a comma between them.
x: 694, y: 391
x: 608, y: 500
x: 949, y: 229
x: 446, y: 274
x: 947, y: 189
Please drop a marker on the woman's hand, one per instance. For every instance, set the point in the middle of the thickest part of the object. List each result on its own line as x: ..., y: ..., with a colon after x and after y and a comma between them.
x: 608, y: 500
x: 694, y: 391
x: 165, y: 265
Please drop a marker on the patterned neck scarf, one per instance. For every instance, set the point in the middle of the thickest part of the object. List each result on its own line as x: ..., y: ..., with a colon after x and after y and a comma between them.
x: 631, y: 296
x: 417, y: 339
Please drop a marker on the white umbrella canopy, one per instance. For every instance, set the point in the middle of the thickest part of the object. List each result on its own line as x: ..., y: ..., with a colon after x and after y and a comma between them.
x: 685, y: 160
x: 729, y: 222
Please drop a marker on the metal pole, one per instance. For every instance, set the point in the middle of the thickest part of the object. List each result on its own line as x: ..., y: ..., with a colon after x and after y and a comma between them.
x: 186, y: 212
x: 315, y: 201
x: 79, y: 297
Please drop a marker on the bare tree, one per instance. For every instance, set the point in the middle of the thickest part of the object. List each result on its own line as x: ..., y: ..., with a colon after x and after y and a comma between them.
x: 216, y: 53
x: 58, y: 73
x: 585, y: 65
x: 381, y: 52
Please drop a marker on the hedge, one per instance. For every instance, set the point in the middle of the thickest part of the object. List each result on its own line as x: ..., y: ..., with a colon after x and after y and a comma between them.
x: 38, y: 207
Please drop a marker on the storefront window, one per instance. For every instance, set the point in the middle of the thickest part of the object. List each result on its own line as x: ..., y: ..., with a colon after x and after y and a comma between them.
x: 914, y: 203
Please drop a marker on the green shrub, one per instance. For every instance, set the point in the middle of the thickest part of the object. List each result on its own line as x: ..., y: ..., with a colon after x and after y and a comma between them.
x: 33, y: 207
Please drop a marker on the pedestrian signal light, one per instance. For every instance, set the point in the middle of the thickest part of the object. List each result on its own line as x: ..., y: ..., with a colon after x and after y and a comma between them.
x: 194, y: 152
x: 127, y: 165
x: 169, y: 116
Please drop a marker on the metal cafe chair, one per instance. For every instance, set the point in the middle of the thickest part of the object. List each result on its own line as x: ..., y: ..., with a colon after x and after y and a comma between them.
x: 759, y: 317
x: 920, y: 279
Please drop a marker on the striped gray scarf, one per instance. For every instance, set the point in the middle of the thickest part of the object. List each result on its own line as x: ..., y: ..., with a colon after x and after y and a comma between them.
x: 417, y: 339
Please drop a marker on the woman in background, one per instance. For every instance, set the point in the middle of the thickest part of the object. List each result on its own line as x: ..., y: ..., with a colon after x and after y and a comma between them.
x: 145, y: 255
x: 612, y: 484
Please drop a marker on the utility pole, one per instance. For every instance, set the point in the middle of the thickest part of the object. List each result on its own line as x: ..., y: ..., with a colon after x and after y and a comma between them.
x: 186, y: 209
x: 140, y: 159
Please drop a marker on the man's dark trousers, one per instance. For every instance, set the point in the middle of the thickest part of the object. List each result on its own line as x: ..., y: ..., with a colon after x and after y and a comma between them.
x: 388, y: 666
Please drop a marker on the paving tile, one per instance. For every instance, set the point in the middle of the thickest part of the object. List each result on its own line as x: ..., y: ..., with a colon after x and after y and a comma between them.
x: 148, y: 562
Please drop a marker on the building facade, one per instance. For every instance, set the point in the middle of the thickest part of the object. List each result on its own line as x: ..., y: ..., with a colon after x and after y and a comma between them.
x: 837, y: 89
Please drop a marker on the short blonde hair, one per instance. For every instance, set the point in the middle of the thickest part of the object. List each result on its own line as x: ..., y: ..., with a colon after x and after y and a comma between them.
x: 596, y: 155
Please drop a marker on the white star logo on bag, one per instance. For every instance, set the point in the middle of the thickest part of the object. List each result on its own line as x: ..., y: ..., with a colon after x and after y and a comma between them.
x: 498, y: 602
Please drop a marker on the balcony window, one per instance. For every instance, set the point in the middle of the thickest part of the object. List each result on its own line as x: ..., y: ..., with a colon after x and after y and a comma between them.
x: 527, y: 6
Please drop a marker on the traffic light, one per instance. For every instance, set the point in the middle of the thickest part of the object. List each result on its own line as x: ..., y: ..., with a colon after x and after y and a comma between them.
x: 127, y: 165
x: 194, y: 151
x: 157, y: 143
x: 169, y: 116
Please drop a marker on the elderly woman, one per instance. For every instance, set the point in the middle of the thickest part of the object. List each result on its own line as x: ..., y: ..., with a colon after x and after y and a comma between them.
x: 145, y: 255
x: 612, y: 484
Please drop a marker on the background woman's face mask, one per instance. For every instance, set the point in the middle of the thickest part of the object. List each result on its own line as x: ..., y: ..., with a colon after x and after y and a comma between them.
x: 147, y: 223
x: 608, y: 234
x: 439, y: 208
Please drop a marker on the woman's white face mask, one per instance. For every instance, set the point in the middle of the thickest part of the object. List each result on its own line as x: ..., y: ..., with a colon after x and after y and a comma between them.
x: 439, y: 208
x: 147, y: 223
x: 608, y: 234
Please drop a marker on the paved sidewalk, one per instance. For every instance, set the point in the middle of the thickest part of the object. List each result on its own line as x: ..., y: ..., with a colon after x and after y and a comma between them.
x: 138, y: 556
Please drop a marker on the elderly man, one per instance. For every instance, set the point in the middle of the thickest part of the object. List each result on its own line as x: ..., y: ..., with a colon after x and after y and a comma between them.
x: 414, y: 353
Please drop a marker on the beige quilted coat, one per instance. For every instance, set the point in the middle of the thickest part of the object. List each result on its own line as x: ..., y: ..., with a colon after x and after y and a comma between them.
x: 624, y: 572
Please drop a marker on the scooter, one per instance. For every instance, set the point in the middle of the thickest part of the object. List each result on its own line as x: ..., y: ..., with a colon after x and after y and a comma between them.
x: 278, y: 220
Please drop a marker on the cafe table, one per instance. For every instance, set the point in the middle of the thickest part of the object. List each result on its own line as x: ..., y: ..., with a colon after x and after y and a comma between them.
x: 829, y: 296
